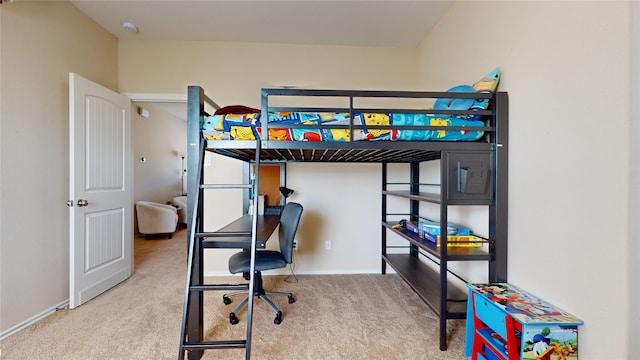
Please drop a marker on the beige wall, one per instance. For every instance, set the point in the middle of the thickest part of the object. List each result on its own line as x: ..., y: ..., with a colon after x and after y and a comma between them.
x: 566, y: 68
x: 41, y: 43
x: 233, y: 73
x: 634, y: 194
x: 160, y: 138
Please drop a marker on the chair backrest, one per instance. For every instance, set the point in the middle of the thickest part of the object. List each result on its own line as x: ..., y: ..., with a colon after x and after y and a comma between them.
x: 289, y: 220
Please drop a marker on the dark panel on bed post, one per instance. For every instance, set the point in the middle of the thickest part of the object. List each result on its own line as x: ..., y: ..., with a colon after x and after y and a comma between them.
x: 195, y: 107
x: 264, y: 111
x: 498, y: 213
x: 384, y: 218
x: 414, y: 188
x: 443, y: 273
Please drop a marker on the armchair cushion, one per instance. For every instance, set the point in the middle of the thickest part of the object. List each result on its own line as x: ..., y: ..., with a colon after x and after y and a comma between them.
x: 155, y: 218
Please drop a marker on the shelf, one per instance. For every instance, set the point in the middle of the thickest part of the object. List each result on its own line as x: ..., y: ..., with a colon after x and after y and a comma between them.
x: 421, y: 196
x: 453, y: 253
x: 435, y: 198
x: 495, y: 345
x: 426, y: 283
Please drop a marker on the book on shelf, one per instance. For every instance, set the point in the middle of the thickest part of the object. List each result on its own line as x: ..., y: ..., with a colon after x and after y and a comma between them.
x: 455, y: 240
x: 457, y: 236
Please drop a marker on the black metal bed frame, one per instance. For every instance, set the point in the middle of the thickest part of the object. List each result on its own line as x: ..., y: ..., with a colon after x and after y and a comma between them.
x: 494, y: 144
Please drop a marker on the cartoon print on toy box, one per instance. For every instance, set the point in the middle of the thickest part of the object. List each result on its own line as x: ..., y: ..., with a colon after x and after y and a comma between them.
x: 552, y: 342
x: 523, y: 306
x: 540, y: 341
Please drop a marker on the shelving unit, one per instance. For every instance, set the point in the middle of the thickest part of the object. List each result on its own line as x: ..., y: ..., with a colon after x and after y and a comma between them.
x: 478, y: 187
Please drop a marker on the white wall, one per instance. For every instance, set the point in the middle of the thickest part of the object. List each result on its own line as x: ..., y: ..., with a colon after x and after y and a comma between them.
x: 566, y: 68
x: 41, y: 43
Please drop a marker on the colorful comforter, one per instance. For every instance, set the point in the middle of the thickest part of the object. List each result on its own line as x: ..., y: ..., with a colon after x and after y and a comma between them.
x: 244, y: 123
x: 290, y: 126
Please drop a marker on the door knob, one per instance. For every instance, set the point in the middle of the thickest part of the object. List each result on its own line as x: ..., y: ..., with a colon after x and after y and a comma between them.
x: 82, y: 203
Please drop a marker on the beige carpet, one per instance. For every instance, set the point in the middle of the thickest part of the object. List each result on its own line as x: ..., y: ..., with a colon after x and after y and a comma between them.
x: 334, y: 317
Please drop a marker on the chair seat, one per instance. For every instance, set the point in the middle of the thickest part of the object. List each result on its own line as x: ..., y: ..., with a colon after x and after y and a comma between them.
x: 265, y: 260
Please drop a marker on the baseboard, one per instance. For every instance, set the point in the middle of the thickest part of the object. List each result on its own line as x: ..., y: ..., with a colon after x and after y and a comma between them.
x: 33, y: 320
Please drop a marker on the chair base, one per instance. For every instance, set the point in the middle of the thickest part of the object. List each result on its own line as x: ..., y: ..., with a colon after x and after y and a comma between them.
x: 261, y: 294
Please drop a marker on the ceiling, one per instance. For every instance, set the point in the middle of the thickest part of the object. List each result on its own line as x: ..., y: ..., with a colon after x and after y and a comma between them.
x: 396, y: 23
x: 326, y: 22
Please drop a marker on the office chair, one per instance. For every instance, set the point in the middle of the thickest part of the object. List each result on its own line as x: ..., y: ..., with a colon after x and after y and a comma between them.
x: 267, y: 260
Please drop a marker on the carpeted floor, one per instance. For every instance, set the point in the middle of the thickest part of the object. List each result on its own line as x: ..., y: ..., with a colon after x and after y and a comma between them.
x: 334, y: 317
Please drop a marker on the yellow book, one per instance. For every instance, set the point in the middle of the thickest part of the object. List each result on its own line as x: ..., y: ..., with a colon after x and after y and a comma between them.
x: 458, y: 240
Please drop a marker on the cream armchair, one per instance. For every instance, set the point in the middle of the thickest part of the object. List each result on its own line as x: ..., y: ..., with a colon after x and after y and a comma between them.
x: 154, y: 218
x: 181, y: 203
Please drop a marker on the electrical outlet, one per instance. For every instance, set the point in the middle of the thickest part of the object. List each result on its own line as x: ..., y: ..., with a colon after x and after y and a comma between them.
x: 295, y: 244
x: 327, y: 244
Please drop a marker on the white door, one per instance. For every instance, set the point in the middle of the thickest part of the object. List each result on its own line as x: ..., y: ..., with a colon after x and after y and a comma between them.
x: 100, y: 205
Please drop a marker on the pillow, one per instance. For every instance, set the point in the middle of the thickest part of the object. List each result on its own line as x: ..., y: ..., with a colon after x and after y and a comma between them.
x: 236, y: 109
x: 455, y: 103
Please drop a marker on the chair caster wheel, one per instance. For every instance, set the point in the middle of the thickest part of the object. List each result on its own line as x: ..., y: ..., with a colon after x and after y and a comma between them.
x: 233, y: 319
x: 278, y: 318
x: 226, y: 299
x: 291, y: 299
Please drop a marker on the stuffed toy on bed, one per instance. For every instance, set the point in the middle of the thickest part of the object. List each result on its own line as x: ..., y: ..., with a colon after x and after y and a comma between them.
x: 487, y: 84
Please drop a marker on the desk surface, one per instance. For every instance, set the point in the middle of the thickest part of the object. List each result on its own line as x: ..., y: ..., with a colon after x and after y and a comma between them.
x: 238, y: 233
x: 524, y: 306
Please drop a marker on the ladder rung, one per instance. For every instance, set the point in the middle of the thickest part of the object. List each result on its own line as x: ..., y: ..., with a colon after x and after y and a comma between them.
x: 223, y: 234
x: 209, y: 287
x: 226, y: 186
x: 228, y: 243
x: 221, y: 344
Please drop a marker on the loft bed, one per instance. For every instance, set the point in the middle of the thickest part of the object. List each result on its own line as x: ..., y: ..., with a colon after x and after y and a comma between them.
x: 329, y: 134
x: 456, y: 127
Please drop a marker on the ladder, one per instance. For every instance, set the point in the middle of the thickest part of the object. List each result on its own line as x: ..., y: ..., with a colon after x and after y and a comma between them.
x: 192, y: 330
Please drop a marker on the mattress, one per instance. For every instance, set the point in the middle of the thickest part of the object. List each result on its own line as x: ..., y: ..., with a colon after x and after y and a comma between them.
x: 328, y: 126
